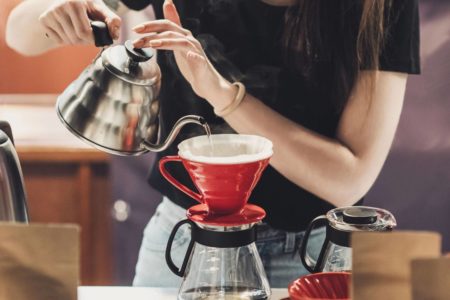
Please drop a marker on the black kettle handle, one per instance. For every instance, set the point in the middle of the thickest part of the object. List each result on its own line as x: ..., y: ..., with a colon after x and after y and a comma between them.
x: 307, y: 261
x: 179, y: 271
x: 6, y: 128
x: 102, y: 37
x: 16, y: 197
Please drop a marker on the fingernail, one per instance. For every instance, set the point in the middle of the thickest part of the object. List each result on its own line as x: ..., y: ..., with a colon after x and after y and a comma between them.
x: 138, y: 28
x: 155, y: 43
x: 138, y: 43
x: 116, y: 31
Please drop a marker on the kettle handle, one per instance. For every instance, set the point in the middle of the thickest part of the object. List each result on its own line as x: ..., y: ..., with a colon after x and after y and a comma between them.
x: 13, y: 196
x: 6, y: 128
x: 101, y: 34
x: 179, y: 271
x: 308, y: 262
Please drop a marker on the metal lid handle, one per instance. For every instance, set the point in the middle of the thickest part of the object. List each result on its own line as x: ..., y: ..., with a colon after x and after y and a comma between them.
x: 137, y: 54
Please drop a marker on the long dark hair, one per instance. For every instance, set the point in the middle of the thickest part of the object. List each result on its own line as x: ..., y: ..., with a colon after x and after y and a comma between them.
x: 318, y: 31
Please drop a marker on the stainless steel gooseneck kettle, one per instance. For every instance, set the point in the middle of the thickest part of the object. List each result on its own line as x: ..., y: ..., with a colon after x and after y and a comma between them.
x: 13, y: 205
x: 114, y: 104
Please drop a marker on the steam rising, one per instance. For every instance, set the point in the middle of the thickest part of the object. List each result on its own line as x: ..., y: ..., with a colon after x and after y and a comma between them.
x: 232, y: 52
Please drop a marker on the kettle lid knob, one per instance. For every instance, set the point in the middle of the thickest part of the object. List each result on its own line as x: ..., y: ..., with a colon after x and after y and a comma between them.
x: 137, y: 54
x: 360, y: 216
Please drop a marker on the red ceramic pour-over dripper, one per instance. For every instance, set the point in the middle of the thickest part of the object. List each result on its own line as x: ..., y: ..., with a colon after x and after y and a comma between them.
x: 225, y: 175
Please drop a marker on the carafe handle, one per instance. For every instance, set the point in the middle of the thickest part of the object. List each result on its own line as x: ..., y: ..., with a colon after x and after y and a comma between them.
x: 179, y: 271
x: 175, y: 182
x: 308, y: 262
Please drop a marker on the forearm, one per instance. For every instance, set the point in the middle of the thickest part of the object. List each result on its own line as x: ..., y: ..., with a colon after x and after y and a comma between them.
x: 323, y: 166
x: 35, y: 26
x: 24, y: 32
x: 340, y: 169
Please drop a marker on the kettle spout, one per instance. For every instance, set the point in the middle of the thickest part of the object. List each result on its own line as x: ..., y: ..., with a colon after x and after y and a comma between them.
x: 175, y: 130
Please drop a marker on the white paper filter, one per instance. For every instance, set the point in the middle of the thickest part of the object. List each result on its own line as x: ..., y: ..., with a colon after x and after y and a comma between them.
x: 227, y: 149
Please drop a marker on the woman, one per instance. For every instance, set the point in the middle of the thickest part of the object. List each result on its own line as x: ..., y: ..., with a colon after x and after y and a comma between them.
x: 315, y: 88
x: 324, y: 82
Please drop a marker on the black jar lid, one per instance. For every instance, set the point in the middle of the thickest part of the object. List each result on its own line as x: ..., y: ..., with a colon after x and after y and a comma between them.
x: 357, y: 215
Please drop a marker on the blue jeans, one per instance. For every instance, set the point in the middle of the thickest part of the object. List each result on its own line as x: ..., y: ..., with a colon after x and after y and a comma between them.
x: 279, y: 253
x: 277, y: 250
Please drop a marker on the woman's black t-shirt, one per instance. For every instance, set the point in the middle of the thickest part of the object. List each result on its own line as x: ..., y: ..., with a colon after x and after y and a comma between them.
x: 242, y: 38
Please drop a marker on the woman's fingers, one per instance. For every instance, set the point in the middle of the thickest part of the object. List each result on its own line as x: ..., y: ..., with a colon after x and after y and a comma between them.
x: 51, y: 30
x: 52, y: 34
x: 80, y: 21
x: 67, y: 26
x: 174, y: 44
x: 50, y: 21
x: 114, y: 24
x: 101, y: 12
x: 145, y: 41
x: 170, y: 12
x: 69, y: 21
x: 160, y: 26
x: 198, y: 59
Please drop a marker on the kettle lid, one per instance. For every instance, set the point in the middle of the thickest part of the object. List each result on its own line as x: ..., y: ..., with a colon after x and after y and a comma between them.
x: 131, y: 64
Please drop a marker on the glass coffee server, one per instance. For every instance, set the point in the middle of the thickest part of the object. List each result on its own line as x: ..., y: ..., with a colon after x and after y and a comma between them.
x: 221, y: 261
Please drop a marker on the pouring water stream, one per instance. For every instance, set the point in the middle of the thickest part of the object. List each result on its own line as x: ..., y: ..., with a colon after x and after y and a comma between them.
x: 208, y: 133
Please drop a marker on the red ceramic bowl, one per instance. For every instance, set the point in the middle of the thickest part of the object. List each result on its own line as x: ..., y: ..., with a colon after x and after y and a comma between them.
x: 321, y: 286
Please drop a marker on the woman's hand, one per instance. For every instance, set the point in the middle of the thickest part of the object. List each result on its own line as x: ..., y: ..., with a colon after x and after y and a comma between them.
x: 67, y: 21
x: 168, y: 34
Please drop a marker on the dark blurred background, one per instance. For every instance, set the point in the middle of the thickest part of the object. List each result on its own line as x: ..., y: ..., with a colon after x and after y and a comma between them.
x: 414, y: 183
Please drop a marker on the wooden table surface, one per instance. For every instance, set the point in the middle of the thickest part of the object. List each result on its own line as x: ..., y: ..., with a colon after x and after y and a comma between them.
x: 138, y: 293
